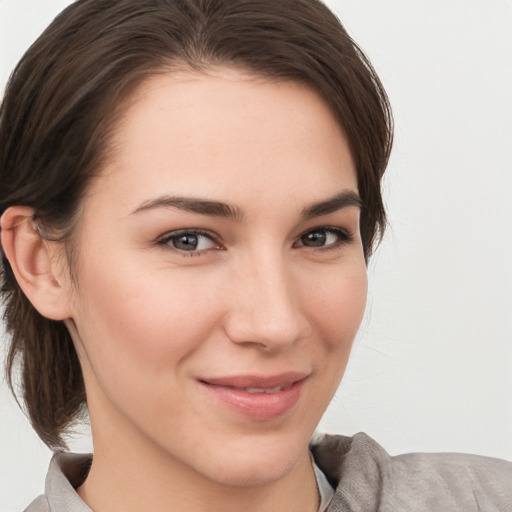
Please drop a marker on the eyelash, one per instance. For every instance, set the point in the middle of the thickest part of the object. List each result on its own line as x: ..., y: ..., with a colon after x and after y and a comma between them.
x: 166, y: 241
x: 343, y: 238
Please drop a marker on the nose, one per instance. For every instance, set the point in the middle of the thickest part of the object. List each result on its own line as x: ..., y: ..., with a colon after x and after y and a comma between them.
x: 265, y: 310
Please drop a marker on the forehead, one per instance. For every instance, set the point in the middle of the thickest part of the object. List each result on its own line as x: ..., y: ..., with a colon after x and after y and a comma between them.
x: 227, y: 134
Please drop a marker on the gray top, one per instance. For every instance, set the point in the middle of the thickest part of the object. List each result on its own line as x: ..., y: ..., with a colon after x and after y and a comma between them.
x: 325, y: 489
x: 364, y: 476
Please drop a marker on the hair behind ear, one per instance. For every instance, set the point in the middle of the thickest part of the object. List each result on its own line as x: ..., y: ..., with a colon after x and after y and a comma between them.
x: 55, y: 398
x: 50, y: 381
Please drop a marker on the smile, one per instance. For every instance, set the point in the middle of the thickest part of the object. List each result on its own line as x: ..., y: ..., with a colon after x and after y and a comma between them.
x: 270, y: 390
x: 257, y: 398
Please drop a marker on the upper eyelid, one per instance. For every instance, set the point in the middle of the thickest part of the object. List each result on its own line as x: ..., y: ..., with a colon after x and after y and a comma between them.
x: 329, y: 228
x: 164, y: 241
x: 345, y: 236
x: 195, y: 231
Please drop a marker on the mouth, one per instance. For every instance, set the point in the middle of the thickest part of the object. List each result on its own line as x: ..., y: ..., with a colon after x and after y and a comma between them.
x: 257, y: 397
x: 265, y: 390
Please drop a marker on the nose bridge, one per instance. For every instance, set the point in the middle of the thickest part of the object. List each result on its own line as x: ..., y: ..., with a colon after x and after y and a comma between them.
x: 266, y: 310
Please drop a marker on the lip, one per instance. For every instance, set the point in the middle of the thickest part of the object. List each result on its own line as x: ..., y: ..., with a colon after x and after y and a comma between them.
x: 232, y: 392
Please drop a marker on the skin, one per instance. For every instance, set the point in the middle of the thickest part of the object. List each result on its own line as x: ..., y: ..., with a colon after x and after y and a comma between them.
x: 151, y: 320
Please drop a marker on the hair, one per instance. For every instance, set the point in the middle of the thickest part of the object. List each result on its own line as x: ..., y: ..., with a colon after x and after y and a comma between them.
x: 65, y: 95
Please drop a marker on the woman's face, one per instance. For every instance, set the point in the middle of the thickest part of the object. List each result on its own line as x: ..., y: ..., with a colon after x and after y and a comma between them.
x: 221, y: 276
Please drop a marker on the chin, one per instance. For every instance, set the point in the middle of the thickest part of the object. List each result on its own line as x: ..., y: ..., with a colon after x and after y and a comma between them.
x: 255, y: 462
x: 252, y: 473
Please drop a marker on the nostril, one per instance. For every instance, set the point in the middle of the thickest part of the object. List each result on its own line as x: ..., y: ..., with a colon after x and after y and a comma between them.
x: 266, y: 335
x: 257, y: 345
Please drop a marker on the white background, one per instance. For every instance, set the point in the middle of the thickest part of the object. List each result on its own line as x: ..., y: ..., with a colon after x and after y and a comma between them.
x: 432, y: 367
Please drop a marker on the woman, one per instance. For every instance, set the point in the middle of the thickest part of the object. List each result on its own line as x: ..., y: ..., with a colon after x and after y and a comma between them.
x: 190, y: 194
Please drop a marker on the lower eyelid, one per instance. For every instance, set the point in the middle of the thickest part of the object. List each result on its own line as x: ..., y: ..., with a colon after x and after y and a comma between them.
x: 343, y: 237
x: 166, y: 239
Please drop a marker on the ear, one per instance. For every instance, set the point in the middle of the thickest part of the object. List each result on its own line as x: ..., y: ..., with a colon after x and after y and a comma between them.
x: 34, y: 263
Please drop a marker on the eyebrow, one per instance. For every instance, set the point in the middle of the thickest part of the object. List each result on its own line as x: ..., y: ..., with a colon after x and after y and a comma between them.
x: 342, y: 200
x: 194, y: 205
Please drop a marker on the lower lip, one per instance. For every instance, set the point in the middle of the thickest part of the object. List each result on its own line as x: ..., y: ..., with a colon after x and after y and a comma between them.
x: 257, y: 406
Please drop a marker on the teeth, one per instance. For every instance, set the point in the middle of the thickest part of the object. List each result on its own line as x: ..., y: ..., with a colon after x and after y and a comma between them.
x: 265, y: 390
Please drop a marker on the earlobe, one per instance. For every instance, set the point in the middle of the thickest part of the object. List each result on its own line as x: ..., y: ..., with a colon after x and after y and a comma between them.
x: 32, y: 260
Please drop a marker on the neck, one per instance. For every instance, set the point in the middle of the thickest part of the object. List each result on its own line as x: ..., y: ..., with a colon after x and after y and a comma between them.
x: 130, y: 473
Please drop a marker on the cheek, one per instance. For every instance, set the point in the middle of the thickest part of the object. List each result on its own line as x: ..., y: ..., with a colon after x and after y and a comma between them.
x: 135, y: 323
x: 338, y: 304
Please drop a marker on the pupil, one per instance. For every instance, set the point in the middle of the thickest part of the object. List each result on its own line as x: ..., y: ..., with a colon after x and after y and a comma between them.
x: 316, y: 239
x: 186, y: 242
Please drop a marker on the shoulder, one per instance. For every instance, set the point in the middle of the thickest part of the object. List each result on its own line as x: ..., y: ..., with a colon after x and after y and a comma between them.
x: 40, y: 504
x: 67, y: 471
x: 366, y: 477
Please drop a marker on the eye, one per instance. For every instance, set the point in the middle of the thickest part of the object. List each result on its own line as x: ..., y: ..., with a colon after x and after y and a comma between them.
x: 189, y: 241
x: 323, y: 237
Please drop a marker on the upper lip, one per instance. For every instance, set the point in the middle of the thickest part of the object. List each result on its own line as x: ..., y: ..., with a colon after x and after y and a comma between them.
x: 256, y: 381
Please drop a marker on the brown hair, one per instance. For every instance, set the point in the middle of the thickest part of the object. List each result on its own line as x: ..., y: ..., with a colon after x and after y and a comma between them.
x: 60, y: 107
